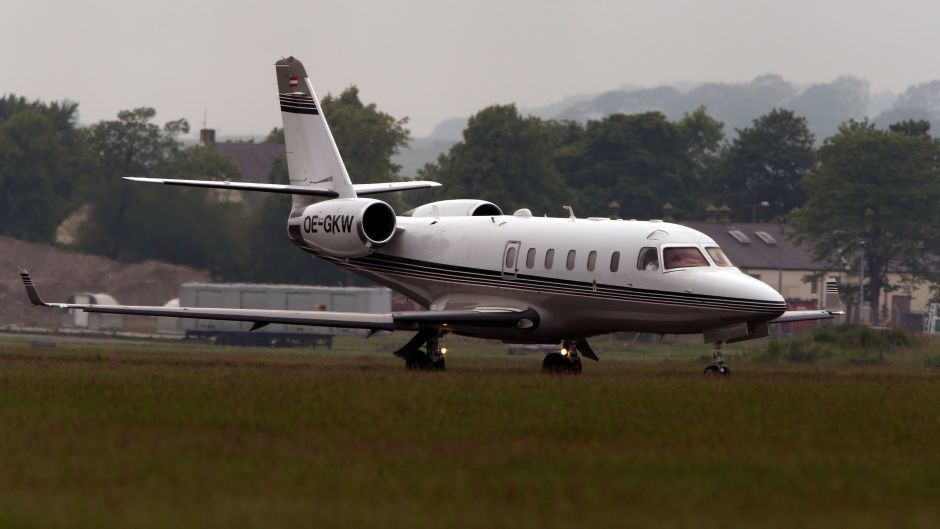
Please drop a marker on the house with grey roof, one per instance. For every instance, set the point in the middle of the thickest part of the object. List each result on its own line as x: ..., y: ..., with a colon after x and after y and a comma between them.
x: 763, y: 250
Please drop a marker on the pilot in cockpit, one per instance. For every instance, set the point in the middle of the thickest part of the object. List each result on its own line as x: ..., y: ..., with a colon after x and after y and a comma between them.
x: 649, y: 260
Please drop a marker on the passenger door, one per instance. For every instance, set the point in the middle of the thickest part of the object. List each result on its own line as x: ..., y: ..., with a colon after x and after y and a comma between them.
x: 511, y: 259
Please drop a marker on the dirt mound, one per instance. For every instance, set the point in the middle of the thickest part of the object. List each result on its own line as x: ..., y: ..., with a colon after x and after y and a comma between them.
x: 59, y: 273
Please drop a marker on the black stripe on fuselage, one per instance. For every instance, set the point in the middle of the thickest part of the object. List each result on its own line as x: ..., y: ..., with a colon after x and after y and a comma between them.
x: 406, y: 267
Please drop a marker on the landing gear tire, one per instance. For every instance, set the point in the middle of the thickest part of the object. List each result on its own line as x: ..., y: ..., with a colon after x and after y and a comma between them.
x: 557, y: 363
x: 418, y: 362
x: 717, y: 367
x: 423, y: 352
x: 715, y: 370
x: 553, y: 363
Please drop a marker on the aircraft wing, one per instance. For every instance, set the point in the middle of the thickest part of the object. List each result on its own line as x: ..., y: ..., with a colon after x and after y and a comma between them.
x: 412, y: 320
x: 831, y: 303
x: 807, y: 315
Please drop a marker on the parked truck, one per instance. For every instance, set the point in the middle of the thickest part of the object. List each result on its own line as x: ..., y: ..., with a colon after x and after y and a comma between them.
x: 289, y: 297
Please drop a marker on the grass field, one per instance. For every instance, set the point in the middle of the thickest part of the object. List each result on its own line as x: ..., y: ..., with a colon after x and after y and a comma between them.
x: 129, y: 435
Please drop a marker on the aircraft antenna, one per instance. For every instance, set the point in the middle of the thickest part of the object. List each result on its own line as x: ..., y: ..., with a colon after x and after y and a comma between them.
x: 570, y: 212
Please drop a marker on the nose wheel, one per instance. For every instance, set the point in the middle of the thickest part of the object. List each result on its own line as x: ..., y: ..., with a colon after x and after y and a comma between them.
x: 717, y: 366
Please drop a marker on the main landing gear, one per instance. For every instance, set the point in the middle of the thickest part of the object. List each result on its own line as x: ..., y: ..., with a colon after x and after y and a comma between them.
x: 717, y: 365
x: 568, y: 360
x: 424, y: 351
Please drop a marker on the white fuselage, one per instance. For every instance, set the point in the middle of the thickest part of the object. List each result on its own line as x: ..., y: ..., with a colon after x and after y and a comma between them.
x: 452, y: 263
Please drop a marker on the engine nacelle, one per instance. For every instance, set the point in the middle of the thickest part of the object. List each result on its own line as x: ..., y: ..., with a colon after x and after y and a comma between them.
x: 344, y: 227
x: 456, y: 208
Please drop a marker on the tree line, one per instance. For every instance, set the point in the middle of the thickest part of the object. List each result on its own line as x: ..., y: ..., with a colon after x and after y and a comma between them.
x: 863, y: 187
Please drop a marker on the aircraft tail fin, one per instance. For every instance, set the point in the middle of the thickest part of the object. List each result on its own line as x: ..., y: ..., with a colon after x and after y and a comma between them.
x: 313, y: 159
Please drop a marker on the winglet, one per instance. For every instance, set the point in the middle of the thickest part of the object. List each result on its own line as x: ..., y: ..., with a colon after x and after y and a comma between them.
x: 31, y: 289
x: 833, y: 302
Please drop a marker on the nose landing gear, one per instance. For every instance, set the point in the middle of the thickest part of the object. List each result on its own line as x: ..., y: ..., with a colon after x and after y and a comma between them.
x: 717, y: 365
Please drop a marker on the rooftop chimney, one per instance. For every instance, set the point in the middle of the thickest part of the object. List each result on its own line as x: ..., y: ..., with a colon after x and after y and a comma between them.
x: 711, y: 213
x: 724, y: 213
x: 207, y: 137
x: 613, y: 210
x: 667, y: 212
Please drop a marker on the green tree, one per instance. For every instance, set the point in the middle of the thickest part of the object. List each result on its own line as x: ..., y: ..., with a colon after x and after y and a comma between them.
x: 642, y: 161
x: 766, y: 163
x: 704, y: 137
x: 134, y: 222
x: 504, y: 158
x: 366, y: 136
x: 878, y: 189
x: 44, y: 163
x: 911, y: 127
x: 29, y: 153
x: 129, y: 146
x: 275, y: 136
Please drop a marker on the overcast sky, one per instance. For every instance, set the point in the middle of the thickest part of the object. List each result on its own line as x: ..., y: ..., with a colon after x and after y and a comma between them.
x: 434, y: 59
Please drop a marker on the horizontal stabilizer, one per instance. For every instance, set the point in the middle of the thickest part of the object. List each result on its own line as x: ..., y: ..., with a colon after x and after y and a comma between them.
x: 391, y: 187
x: 239, y: 186
x: 361, y: 189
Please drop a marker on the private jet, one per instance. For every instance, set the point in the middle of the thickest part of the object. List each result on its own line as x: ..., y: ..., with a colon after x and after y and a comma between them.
x: 482, y: 273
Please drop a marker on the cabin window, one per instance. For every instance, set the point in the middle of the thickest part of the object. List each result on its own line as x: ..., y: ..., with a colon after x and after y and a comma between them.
x: 683, y: 257
x: 718, y: 256
x: 549, y: 258
x: 615, y: 261
x: 530, y: 258
x: 648, y: 259
x: 592, y: 260
x: 569, y: 264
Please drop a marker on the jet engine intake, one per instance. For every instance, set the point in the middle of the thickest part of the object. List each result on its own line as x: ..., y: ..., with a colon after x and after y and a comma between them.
x: 346, y: 227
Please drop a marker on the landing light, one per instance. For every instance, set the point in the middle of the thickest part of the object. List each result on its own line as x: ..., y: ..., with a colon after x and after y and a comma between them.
x: 443, y: 351
x: 564, y: 352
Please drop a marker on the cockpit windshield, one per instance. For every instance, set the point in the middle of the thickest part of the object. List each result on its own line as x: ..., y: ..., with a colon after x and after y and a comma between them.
x: 683, y: 257
x: 718, y: 256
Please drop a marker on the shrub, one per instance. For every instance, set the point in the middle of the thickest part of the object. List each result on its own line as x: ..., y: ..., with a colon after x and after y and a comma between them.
x: 932, y: 361
x: 855, y: 343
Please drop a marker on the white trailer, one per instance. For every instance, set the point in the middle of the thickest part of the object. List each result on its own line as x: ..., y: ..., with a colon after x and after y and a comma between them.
x: 289, y: 297
x: 75, y: 318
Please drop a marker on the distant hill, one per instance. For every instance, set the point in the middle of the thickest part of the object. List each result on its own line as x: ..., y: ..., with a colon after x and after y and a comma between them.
x: 825, y: 105
x: 59, y: 273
